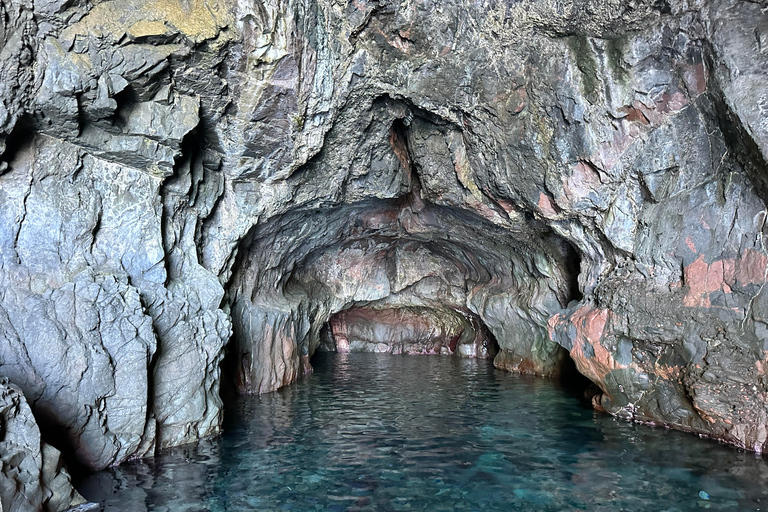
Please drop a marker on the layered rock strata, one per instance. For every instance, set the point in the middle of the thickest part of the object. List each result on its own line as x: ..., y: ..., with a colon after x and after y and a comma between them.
x: 187, y: 179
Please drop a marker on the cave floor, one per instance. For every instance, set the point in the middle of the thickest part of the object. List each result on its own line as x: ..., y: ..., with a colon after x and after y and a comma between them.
x: 436, y: 433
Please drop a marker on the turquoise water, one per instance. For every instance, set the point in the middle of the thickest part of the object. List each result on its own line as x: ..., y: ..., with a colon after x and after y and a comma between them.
x: 435, y: 433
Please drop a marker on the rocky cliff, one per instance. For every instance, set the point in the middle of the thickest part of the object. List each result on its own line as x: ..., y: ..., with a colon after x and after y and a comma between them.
x: 184, y: 180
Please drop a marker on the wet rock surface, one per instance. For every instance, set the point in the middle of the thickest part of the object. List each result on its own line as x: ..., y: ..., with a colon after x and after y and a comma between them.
x: 187, y: 180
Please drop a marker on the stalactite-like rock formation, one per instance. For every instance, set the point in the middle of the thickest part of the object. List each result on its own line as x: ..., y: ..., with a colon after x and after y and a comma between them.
x: 198, y: 191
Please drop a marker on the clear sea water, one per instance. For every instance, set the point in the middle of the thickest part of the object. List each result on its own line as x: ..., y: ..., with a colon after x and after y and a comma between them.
x: 432, y: 433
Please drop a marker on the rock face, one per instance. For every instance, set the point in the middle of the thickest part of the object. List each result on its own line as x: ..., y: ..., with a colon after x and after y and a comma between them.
x: 32, y: 478
x: 109, y: 324
x: 187, y: 179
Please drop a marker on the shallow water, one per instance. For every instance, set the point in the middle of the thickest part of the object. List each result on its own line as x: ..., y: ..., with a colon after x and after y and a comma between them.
x: 438, y: 433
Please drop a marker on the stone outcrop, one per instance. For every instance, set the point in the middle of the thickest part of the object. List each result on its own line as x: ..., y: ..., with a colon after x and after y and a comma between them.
x: 110, y: 326
x: 184, y: 180
x: 32, y: 478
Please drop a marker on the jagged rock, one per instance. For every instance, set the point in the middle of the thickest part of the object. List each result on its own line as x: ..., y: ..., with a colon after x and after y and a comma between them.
x: 32, y: 478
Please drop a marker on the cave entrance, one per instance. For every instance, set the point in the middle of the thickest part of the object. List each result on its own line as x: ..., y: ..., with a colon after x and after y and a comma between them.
x: 404, y: 276
x: 408, y: 330
x: 416, y: 330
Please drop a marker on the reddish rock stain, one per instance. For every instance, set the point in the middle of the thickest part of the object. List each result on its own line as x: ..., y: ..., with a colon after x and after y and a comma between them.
x: 590, y: 324
x: 751, y: 267
x: 696, y: 79
x: 546, y: 206
x: 400, y: 150
x: 583, y: 180
x: 702, y: 278
x: 634, y: 114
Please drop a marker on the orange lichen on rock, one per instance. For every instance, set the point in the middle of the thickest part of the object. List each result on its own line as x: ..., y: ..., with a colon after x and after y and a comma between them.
x: 667, y: 372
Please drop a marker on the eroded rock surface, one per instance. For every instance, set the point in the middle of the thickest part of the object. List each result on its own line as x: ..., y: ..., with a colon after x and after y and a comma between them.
x: 32, y: 478
x: 185, y: 180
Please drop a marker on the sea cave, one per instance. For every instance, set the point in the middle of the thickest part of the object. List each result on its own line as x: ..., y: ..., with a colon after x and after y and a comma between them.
x: 383, y: 255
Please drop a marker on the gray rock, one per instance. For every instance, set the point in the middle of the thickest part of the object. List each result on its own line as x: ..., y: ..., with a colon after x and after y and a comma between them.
x: 32, y: 477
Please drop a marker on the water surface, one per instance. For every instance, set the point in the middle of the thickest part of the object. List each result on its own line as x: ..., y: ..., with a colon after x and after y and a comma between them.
x: 435, y: 433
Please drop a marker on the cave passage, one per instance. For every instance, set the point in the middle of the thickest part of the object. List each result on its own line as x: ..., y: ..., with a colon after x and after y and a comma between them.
x: 402, y: 276
x: 429, y: 264
x: 409, y: 330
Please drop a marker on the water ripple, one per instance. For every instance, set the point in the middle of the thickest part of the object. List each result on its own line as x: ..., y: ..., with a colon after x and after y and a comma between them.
x: 375, y: 432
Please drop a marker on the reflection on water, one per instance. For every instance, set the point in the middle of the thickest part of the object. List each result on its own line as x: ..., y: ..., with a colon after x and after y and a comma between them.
x: 379, y: 432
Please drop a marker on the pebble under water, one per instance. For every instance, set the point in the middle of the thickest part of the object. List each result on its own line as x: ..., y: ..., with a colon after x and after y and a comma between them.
x: 436, y: 433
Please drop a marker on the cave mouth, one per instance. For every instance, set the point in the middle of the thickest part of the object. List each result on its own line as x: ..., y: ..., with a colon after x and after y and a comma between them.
x: 405, y: 276
x: 418, y: 330
x: 408, y: 330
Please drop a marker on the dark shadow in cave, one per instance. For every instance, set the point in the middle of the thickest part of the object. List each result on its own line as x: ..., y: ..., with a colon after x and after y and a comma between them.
x: 56, y: 435
x: 572, y: 261
x: 327, y: 343
x: 228, y: 385
x: 576, y: 384
x: 22, y: 136
x: 491, y: 345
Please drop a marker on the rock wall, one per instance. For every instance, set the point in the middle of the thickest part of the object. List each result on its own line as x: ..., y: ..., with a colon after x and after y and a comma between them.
x: 187, y: 179
x: 32, y: 478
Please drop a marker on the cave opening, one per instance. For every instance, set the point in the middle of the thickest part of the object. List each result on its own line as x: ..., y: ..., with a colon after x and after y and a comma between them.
x: 417, y: 331
x: 407, y: 331
x: 403, y: 276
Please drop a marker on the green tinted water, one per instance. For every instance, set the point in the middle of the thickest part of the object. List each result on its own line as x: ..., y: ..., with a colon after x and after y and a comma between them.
x: 404, y: 433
